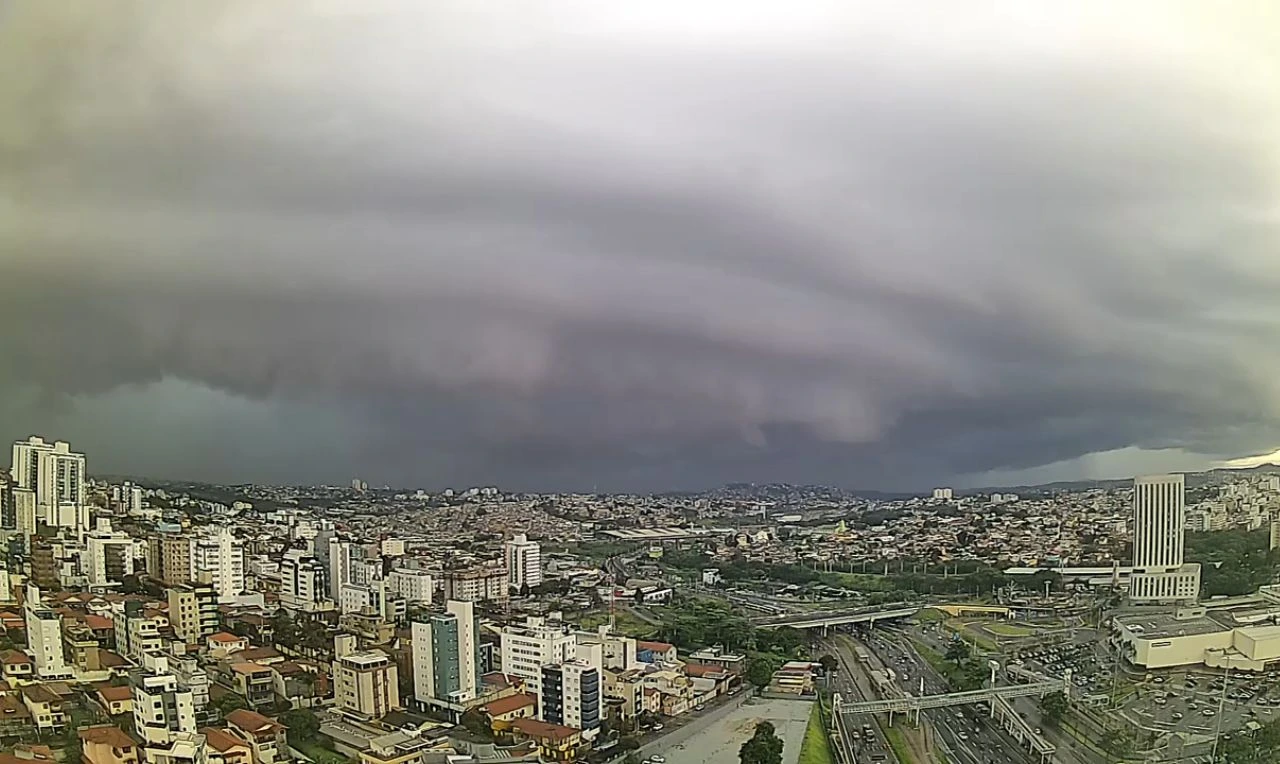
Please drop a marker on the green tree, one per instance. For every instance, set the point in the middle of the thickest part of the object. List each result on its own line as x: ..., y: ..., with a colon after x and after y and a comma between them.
x: 764, y: 747
x: 1052, y: 708
x: 760, y: 669
x: 957, y: 651
x: 302, y: 723
x: 230, y: 702
x: 473, y: 721
x: 829, y: 664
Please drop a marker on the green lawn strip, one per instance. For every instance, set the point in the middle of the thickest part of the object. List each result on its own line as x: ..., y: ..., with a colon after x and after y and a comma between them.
x: 816, y: 748
x: 321, y: 755
x: 899, y: 745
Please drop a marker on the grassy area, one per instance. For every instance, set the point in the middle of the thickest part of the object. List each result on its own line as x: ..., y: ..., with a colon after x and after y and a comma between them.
x: 624, y: 623
x: 899, y: 745
x: 816, y: 748
x: 1009, y: 630
x: 320, y: 754
x: 959, y: 678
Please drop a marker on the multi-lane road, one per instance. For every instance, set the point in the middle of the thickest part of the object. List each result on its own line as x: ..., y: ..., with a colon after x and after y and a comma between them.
x: 966, y: 734
x: 862, y: 737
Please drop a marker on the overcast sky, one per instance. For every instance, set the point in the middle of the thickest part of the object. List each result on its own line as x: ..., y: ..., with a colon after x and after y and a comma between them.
x: 641, y: 246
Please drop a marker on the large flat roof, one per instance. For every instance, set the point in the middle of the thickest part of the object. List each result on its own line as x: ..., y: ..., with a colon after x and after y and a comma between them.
x: 1164, y: 626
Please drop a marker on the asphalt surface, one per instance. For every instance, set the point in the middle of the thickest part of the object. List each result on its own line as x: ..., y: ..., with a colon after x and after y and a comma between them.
x: 966, y: 733
x: 863, y: 737
x: 718, y: 741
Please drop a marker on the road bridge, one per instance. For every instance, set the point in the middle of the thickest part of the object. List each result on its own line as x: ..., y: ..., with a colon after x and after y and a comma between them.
x: 916, y: 703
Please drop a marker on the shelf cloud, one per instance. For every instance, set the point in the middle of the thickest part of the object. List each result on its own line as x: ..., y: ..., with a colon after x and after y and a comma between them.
x: 567, y: 244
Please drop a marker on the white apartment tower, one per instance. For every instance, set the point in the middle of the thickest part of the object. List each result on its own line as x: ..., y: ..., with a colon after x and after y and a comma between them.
x: 44, y: 637
x: 1160, y: 573
x: 54, y: 475
x: 301, y: 581
x: 524, y: 563
x: 219, y: 560
x: 164, y: 710
x: 446, y: 651
x: 526, y: 649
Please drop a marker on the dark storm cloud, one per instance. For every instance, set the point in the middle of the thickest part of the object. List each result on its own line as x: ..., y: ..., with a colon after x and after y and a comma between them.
x: 560, y: 245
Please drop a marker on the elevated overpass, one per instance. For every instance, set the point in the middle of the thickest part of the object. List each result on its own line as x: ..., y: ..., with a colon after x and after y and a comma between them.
x: 913, y: 703
x: 824, y: 618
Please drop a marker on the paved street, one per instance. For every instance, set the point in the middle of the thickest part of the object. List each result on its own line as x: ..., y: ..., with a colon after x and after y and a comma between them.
x: 718, y: 741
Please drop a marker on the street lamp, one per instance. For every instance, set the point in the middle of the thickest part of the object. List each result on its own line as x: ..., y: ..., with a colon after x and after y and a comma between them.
x: 1222, y: 704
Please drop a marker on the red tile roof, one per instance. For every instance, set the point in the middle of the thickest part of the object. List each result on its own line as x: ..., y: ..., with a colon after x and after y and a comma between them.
x: 107, y: 735
x: 657, y: 647
x: 543, y: 730
x: 222, y: 741
x: 112, y: 693
x: 252, y: 721
x: 503, y: 706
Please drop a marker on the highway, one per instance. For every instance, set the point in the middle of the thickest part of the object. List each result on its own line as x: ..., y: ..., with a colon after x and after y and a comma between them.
x: 851, y: 683
x: 966, y: 734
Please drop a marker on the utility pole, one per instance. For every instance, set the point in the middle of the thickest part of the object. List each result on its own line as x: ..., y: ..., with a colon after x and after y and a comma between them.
x: 1222, y: 703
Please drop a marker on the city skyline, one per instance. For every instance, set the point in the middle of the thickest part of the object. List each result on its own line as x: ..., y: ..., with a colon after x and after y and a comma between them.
x: 571, y: 245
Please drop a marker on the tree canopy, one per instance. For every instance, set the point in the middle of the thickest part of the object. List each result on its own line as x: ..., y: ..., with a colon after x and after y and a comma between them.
x: 764, y: 746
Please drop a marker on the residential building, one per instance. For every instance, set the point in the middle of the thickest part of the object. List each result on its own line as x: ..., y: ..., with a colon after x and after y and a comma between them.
x: 8, y: 505
x: 446, y: 668
x: 255, y: 682
x: 572, y: 694
x: 169, y: 558
x: 219, y: 560
x: 44, y: 637
x: 162, y: 707
x: 266, y: 737
x: 477, y: 584
x: 193, y: 612
x: 524, y: 563
x: 301, y: 581
x: 1160, y: 574
x: 55, y: 475
x: 415, y: 586
x: 108, y: 555
x: 45, y: 707
x: 540, y: 642
x: 556, y: 742
x: 107, y: 744
x: 222, y: 747
x: 366, y: 684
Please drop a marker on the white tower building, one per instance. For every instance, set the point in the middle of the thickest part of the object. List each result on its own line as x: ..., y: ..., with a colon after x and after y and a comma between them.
x: 1160, y: 573
x: 524, y: 562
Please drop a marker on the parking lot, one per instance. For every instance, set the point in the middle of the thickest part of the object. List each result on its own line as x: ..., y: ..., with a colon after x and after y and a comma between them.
x: 1194, y: 702
x: 718, y: 742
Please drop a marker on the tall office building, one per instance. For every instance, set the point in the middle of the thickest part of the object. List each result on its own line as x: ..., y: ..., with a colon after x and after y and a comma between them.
x: 572, y: 694
x: 1160, y: 574
x: 44, y: 637
x: 446, y: 656
x: 540, y: 642
x: 169, y: 558
x: 219, y: 560
x: 524, y: 563
x: 55, y: 475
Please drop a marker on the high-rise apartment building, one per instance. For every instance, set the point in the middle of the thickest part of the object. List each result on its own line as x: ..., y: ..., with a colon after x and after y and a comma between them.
x: 219, y: 560
x: 301, y: 581
x: 1160, y: 574
x: 44, y: 637
x: 193, y: 612
x: 8, y: 505
x: 572, y: 694
x: 366, y: 684
x: 162, y: 708
x: 416, y: 586
x: 108, y: 555
x: 170, y: 558
x: 524, y: 563
x: 477, y: 584
x: 55, y: 475
x: 446, y: 656
x: 539, y: 642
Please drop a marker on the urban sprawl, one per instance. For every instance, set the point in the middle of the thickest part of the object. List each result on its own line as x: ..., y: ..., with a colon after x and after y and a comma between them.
x: 151, y: 621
